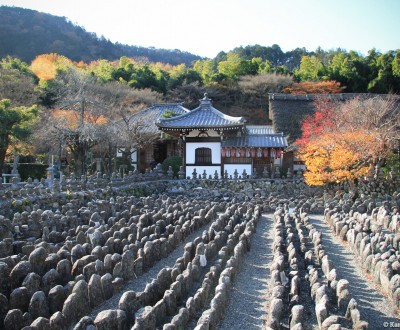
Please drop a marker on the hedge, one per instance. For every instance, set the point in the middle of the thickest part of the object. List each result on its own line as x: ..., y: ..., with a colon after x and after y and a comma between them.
x: 28, y: 170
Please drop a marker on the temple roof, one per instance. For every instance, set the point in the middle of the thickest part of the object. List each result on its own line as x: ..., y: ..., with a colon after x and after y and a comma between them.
x: 259, y: 129
x: 257, y: 141
x: 148, y: 117
x: 203, y: 117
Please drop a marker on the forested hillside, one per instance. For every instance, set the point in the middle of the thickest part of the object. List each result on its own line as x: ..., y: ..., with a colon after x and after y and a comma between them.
x: 26, y: 33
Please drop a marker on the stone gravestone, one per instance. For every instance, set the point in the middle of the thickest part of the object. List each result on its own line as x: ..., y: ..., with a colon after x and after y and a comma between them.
x: 15, y: 166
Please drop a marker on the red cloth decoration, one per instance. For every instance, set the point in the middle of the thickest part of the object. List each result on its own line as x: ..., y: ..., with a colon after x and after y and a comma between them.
x: 277, y: 153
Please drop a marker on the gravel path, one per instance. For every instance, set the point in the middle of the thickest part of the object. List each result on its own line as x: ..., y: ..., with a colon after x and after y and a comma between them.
x: 246, y: 309
x: 374, y: 307
x: 139, y: 284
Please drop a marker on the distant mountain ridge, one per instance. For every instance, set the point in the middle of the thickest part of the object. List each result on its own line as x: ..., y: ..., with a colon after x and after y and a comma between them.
x: 26, y: 33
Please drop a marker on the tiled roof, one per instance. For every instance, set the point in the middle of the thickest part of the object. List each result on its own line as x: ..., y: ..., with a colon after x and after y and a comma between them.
x: 259, y: 129
x: 257, y: 140
x: 148, y: 117
x: 204, y: 117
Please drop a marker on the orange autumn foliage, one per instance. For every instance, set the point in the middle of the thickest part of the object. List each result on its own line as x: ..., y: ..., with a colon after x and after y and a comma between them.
x: 343, y: 141
x: 337, y: 157
x: 45, y: 66
x: 72, y: 118
x: 22, y: 148
x: 311, y: 87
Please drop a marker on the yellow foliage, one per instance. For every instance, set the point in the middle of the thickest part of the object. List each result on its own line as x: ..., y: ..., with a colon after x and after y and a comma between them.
x: 45, y: 66
x: 338, y: 157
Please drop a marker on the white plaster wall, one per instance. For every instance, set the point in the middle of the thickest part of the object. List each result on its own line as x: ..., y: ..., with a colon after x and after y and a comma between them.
x: 215, y: 151
x: 239, y: 167
x: 200, y: 170
x: 196, y: 132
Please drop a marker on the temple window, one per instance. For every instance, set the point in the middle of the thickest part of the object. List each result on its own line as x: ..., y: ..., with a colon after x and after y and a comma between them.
x: 203, y: 156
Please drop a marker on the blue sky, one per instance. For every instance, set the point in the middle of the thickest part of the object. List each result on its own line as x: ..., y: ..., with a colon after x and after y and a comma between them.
x: 209, y: 26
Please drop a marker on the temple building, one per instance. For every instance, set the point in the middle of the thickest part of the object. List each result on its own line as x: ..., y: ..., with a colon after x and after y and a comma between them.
x: 218, y: 144
x: 160, y: 145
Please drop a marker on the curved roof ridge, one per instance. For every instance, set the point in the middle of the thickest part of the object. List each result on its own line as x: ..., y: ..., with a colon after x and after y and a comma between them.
x: 205, y: 115
x: 205, y: 103
x: 170, y: 104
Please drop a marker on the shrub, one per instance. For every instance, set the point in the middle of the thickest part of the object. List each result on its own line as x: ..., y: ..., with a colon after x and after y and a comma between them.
x: 175, y: 162
x: 29, y: 170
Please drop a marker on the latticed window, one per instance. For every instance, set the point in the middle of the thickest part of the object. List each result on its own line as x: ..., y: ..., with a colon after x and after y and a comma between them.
x: 203, y: 156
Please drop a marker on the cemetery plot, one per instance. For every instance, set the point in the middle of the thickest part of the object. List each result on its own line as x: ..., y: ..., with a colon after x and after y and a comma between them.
x: 98, y: 257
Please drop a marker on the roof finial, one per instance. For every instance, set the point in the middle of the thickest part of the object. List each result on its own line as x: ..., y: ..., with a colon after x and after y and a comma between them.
x: 205, y: 99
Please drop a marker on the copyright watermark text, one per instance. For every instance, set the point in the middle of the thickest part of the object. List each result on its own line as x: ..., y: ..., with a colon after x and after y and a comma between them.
x: 391, y: 324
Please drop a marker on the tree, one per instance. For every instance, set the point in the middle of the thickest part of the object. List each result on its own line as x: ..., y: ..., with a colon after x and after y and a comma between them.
x: 386, y: 80
x: 260, y: 85
x: 189, y: 94
x: 103, y: 69
x: 343, y: 141
x: 377, y: 116
x: 310, y: 69
x: 15, y: 125
x: 13, y: 63
x: 127, y: 130
x: 86, y: 104
x: 205, y: 69
x: 45, y: 66
x: 313, y: 87
x: 337, y: 157
x: 323, y: 121
x: 396, y: 64
x: 18, y: 87
x: 144, y: 77
x: 17, y: 82
x: 231, y: 67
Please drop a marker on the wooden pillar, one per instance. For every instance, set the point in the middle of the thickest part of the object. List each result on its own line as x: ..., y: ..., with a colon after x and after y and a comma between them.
x: 182, y: 137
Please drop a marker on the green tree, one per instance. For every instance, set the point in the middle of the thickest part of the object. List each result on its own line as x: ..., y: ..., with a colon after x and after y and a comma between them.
x: 17, y: 86
x: 144, y: 77
x: 310, y: 69
x: 248, y: 67
x: 231, y: 68
x: 103, y: 69
x: 124, y: 72
x: 396, y: 64
x: 180, y: 75
x: 350, y: 70
x: 15, y: 125
x: 263, y: 66
x: 14, y: 63
x: 385, y: 81
x: 205, y: 69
